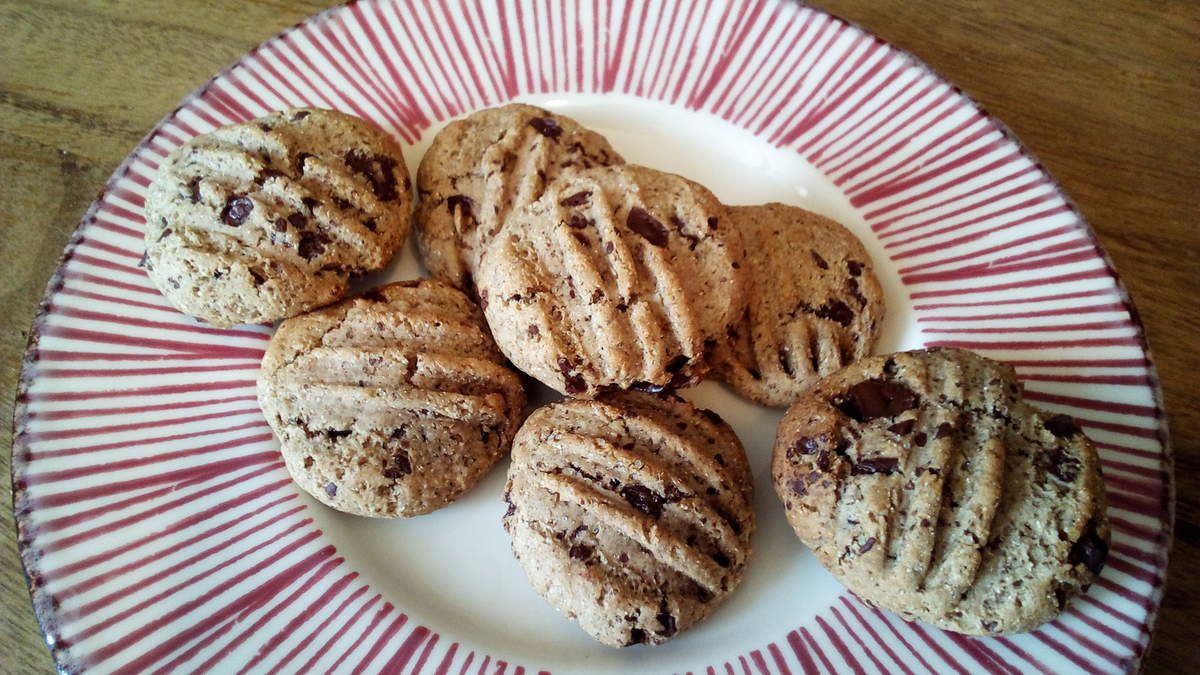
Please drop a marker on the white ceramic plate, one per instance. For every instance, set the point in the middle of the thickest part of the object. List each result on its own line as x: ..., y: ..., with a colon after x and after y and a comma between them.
x: 158, y: 525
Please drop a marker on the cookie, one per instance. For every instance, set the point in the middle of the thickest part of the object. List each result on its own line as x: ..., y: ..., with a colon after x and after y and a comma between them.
x: 264, y: 220
x: 618, y: 277
x: 481, y: 168
x: 929, y: 487
x: 814, y: 305
x: 631, y: 514
x: 392, y: 404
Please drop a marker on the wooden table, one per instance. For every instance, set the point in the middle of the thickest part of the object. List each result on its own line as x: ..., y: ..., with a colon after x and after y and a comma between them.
x: 1103, y: 92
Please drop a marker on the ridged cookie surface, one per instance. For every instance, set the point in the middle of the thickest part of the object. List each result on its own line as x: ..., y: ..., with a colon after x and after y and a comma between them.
x: 484, y: 166
x: 391, y: 404
x: 926, y: 484
x: 263, y: 220
x: 631, y: 514
x: 814, y: 305
x: 618, y: 277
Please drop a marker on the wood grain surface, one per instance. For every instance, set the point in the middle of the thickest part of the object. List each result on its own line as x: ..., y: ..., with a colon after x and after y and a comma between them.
x: 1105, y: 92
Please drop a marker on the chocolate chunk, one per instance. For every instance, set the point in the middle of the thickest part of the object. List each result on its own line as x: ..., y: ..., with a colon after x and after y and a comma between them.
x: 309, y: 203
x: 855, y: 292
x: 674, y: 494
x: 645, y: 224
x: 334, y: 434
x: 867, y: 545
x: 666, y: 623
x: 679, y: 226
x: 546, y: 126
x: 464, y: 206
x: 300, y: 114
x: 581, y: 551
x: 903, y: 428
x: 836, y: 311
x: 637, y: 636
x: 299, y: 161
x: 806, y: 445
x: 236, y: 211
x: 712, y: 223
x: 799, y: 486
x: 331, y: 489
x: 578, y: 221
x: 378, y: 169
x: 855, y: 268
x: 819, y: 260
x: 194, y: 186
x: 644, y: 499
x: 401, y: 466
x: 298, y: 220
x: 371, y: 224
x: 623, y: 558
x: 1090, y: 550
x: 1062, y: 426
x: 1062, y: 465
x: 944, y: 429
x: 870, y: 399
x: 824, y: 460
x: 280, y: 225
x: 872, y: 465
x: 312, y: 244
x: 919, y: 439
x: 721, y: 559
x: 573, y: 383
x: 577, y: 199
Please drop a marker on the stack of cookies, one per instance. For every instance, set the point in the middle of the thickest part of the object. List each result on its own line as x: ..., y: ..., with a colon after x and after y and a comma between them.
x: 922, y: 480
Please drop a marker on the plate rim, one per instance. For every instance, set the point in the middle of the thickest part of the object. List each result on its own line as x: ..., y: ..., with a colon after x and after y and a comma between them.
x: 39, y: 600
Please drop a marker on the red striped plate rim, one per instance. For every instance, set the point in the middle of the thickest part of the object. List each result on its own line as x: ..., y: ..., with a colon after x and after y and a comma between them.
x: 993, y: 255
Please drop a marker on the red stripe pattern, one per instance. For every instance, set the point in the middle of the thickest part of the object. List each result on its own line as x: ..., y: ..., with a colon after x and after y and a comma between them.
x: 158, y: 526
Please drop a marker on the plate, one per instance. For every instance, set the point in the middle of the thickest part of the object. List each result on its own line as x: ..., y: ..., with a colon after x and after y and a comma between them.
x: 160, y: 531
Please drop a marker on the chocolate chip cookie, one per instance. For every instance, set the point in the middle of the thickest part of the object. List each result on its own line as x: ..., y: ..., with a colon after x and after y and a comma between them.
x: 630, y: 513
x: 267, y: 219
x: 392, y: 404
x: 484, y: 166
x: 617, y: 277
x: 926, y: 484
x: 814, y: 304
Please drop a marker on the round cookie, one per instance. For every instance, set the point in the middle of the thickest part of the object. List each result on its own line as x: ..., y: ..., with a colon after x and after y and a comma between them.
x: 264, y: 220
x: 929, y: 487
x: 631, y: 514
x: 392, y: 404
x: 618, y: 277
x: 814, y: 304
x: 486, y: 165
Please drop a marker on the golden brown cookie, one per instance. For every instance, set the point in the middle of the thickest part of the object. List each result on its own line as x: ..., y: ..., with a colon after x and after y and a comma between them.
x: 618, y: 277
x: 631, y: 514
x: 392, y: 404
x: 270, y: 218
x: 486, y: 165
x: 814, y: 305
x: 926, y: 484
